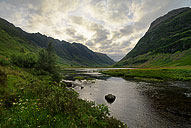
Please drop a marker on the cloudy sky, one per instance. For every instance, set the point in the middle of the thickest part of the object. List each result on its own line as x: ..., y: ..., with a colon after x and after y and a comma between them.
x: 108, y: 26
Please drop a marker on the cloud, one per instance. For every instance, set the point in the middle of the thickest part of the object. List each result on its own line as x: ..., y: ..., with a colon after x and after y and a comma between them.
x: 109, y: 26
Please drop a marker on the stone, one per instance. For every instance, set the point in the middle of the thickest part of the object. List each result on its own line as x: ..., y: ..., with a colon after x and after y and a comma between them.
x: 110, y: 98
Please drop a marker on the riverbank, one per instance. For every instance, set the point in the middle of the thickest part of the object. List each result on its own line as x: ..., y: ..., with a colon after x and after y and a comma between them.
x: 154, y: 74
x: 31, y: 100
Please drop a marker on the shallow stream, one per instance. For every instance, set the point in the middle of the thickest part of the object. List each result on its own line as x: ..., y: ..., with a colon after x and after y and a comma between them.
x: 139, y: 104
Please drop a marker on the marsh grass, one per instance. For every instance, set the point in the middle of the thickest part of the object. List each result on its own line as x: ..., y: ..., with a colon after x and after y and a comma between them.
x: 154, y: 74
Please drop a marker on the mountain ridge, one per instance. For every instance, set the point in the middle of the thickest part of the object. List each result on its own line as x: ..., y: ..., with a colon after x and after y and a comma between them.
x: 168, y: 34
x: 70, y: 53
x: 170, y: 14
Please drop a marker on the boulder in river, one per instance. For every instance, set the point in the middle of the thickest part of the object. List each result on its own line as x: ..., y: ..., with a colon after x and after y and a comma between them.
x: 110, y: 98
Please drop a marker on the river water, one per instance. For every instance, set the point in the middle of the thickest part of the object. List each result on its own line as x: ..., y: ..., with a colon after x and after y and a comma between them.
x: 139, y: 104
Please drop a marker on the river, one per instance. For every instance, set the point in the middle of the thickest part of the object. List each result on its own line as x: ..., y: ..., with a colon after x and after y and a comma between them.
x: 139, y: 104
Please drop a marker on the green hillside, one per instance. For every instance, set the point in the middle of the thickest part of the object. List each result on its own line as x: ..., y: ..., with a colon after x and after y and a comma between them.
x: 32, y: 93
x: 13, y: 39
x: 166, y: 43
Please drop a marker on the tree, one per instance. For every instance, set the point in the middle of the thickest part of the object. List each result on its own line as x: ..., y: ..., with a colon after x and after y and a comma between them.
x: 43, y: 60
x: 47, y: 62
x: 51, y: 58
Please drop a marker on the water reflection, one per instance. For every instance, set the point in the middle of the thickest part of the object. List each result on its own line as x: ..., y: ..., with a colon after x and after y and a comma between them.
x: 141, y: 104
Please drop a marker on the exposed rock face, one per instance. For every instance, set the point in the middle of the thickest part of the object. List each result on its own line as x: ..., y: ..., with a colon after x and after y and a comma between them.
x: 110, y: 98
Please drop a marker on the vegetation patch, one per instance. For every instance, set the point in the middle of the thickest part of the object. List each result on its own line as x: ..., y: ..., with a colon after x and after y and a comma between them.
x: 154, y: 74
x: 79, y: 78
x: 148, y: 79
x: 27, y: 100
x: 83, y: 78
x: 32, y: 96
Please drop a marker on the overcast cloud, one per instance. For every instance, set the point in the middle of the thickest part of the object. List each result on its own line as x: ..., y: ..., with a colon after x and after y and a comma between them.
x: 108, y: 26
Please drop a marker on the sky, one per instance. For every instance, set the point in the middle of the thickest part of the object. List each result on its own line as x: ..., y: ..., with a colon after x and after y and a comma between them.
x: 112, y: 27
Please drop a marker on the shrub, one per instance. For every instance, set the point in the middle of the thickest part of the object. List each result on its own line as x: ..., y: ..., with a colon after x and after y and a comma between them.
x: 4, y: 62
x: 3, y: 77
x: 26, y: 60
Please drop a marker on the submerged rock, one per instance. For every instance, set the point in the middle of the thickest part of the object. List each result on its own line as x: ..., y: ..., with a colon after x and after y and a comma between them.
x: 110, y: 98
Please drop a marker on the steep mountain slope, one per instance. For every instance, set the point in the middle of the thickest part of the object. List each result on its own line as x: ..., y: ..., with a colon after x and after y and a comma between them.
x: 13, y: 39
x: 166, y: 43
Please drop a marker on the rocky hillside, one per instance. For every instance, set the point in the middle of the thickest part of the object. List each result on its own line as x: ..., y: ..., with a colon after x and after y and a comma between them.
x: 166, y: 43
x: 12, y: 39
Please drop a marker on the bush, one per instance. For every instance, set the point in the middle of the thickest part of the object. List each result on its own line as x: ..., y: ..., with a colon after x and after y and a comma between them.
x: 3, y: 77
x: 47, y: 62
x: 26, y: 60
x: 4, y: 62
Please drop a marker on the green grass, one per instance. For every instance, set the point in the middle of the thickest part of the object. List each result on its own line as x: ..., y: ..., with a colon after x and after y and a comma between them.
x: 79, y: 78
x: 179, y: 58
x: 27, y: 100
x: 154, y: 74
x: 83, y: 78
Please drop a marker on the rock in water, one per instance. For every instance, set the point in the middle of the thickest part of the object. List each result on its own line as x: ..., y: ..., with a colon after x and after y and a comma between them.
x: 110, y: 98
x: 68, y: 84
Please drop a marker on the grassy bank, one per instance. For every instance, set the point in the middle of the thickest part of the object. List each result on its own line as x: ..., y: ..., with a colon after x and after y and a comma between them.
x: 154, y: 74
x: 30, y: 100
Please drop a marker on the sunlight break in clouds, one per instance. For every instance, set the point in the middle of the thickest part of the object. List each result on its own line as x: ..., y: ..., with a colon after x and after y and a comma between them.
x: 108, y: 26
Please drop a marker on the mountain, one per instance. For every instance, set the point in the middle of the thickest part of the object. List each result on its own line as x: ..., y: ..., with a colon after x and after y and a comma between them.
x: 12, y: 39
x: 166, y: 43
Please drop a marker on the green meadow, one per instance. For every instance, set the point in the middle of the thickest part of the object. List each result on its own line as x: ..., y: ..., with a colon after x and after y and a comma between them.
x: 154, y: 74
